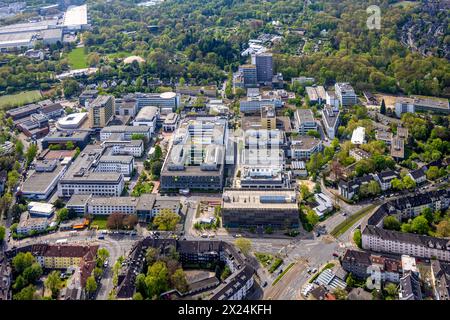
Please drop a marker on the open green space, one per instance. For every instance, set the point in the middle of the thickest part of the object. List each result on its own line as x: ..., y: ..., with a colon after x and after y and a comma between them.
x: 77, y: 59
x: 347, y: 223
x: 100, y: 222
x: 20, y: 99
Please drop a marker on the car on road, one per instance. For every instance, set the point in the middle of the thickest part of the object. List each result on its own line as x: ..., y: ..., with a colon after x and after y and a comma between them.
x: 314, y: 270
x: 280, y: 271
x: 105, y: 265
x: 211, y: 235
x: 204, y: 235
x: 335, y: 254
x: 238, y: 235
x: 344, y: 214
x: 101, y: 237
x: 264, y: 284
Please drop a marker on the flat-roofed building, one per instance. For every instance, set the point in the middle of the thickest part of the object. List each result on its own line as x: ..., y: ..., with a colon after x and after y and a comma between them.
x: 116, y: 163
x: 22, y: 112
x: 167, y: 102
x: 263, y: 177
x: 268, y: 117
x: 264, y: 67
x: 316, y: 94
x: 76, y: 18
x: 254, y: 104
x: 147, y: 116
x: 332, y: 100
x: 119, y: 146
x: 125, y: 132
x: 416, y: 103
x: 398, y: 148
x: 78, y: 138
x: 41, y: 209
x: 384, y: 136
x: 101, y: 111
x: 359, y: 154
x: 346, y: 94
x: 41, y: 183
x: 196, y: 158
x: 304, y: 120
x: 28, y: 224
x: 72, y: 121
x: 303, y: 147
x: 359, y: 136
x: 331, y: 120
x: 260, y: 208
x: 81, y: 177
x: 249, y: 75
x: 171, y: 121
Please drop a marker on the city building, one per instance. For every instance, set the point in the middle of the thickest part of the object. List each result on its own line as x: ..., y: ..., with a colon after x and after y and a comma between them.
x: 167, y: 102
x: 119, y: 146
x: 22, y: 112
x: 316, y: 94
x: 249, y: 75
x: 359, y: 136
x: 82, y: 177
x: 123, y: 164
x: 87, y: 96
x: 398, y: 148
x: 359, y: 154
x: 124, y: 132
x: 147, y: 116
x: 377, y: 239
x: 43, y: 181
x: 421, y: 104
x: 303, y: 147
x: 440, y: 278
x: 351, y: 188
x: 101, y: 111
x: 171, y: 121
x: 384, y: 136
x: 324, y: 204
x: 268, y: 117
x: 332, y: 100
x: 264, y: 67
x: 196, y: 158
x: 346, y: 94
x: 298, y: 169
x: 28, y: 224
x: 303, y: 80
x: 263, y: 177
x: 331, y: 120
x: 410, y: 287
x: 79, y: 139
x: 254, y: 104
x: 304, y: 121
x: 385, y: 179
x: 418, y: 176
x: 126, y: 106
x: 260, y: 208
x: 72, y: 121
x: 40, y: 209
x: 35, y: 126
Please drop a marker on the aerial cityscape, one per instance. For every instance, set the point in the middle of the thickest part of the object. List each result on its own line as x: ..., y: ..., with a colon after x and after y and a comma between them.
x: 224, y: 150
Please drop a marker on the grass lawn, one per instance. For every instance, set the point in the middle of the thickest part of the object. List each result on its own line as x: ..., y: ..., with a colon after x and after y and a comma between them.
x: 19, y: 99
x: 99, y: 221
x: 347, y: 223
x: 77, y: 59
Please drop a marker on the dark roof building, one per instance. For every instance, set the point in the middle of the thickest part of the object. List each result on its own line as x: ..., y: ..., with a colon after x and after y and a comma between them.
x: 410, y: 287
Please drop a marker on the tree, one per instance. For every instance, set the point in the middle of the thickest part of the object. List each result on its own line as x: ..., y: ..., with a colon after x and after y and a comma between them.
x: 166, y: 220
x: 391, y: 290
x: 19, y: 148
x: 428, y: 214
x: 391, y: 223
x: 406, y: 227
x: 151, y: 255
x: 340, y: 294
x: 91, y: 285
x: 443, y: 229
x: 351, y: 282
x: 31, y: 152
x: 62, y: 214
x: 312, y: 217
x: 54, y: 283
x: 357, y: 238
x: 304, y: 191
x: 156, y: 167
x: 141, y: 287
x: 22, y: 261
x: 313, y: 133
x: 32, y: 273
x: 408, y: 182
x: 383, y: 107
x: 157, y: 279
x: 138, y: 296
x: 432, y: 173
x: 130, y: 221
x: 12, y: 179
x: 420, y: 225
x: 27, y: 293
x: 102, y: 256
x: 70, y: 145
x: 179, y: 281
x: 243, y: 244
x: 157, y: 155
x: 2, y: 233
x: 115, y: 221
x: 397, y: 184
x: 70, y: 87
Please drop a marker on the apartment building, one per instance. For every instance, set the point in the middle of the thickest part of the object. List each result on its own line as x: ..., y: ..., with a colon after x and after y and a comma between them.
x: 101, y: 111
x: 385, y: 179
x: 350, y: 189
x: 346, y: 94
x: 380, y: 240
x: 359, y: 154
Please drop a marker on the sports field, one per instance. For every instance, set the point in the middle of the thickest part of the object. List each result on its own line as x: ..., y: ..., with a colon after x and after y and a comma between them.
x: 19, y: 99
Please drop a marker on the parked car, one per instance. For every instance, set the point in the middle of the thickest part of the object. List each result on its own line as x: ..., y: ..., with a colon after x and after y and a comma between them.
x: 264, y: 284
x: 335, y: 254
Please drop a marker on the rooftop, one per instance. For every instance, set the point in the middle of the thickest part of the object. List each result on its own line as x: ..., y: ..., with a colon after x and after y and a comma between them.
x: 256, y: 199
